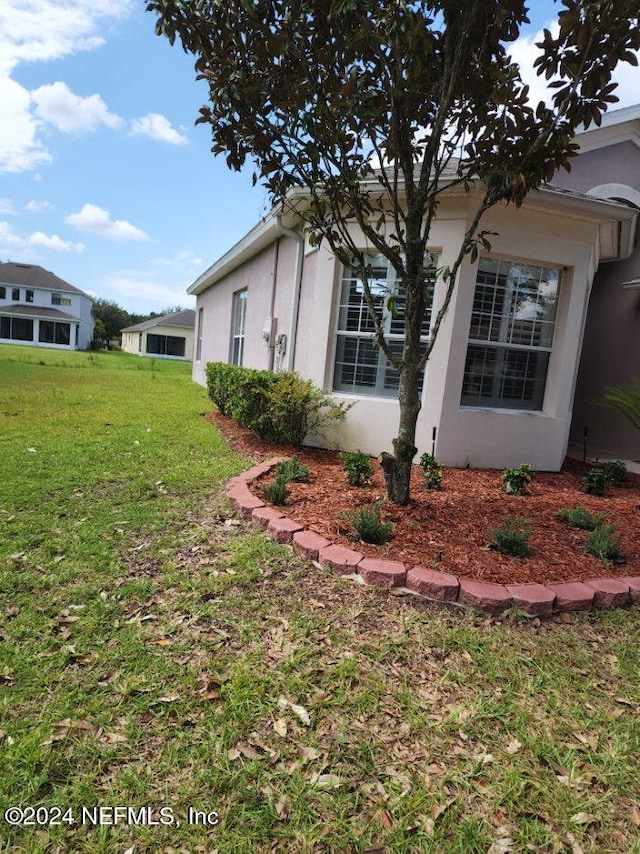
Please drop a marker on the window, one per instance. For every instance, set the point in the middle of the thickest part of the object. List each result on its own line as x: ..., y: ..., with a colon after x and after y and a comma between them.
x: 510, y: 337
x: 360, y: 365
x: 52, y: 332
x: 15, y: 294
x: 58, y: 299
x: 3, y: 292
x: 16, y: 328
x: 199, y: 340
x: 28, y: 295
x: 165, y: 345
x: 139, y: 342
x: 239, y: 324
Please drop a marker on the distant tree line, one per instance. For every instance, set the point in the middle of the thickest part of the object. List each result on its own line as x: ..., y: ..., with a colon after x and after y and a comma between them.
x: 110, y: 318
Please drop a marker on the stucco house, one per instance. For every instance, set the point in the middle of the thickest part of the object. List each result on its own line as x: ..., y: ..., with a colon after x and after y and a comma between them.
x: 500, y: 386
x: 166, y: 337
x: 39, y: 309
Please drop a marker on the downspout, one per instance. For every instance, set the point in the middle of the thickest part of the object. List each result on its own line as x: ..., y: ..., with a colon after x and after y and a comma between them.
x: 297, y: 287
x: 272, y: 343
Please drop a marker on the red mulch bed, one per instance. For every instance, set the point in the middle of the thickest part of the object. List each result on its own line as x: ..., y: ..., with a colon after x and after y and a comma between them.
x: 450, y: 529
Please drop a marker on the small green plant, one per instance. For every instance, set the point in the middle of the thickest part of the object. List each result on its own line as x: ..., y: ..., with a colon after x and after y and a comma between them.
x: 370, y: 529
x: 277, y: 490
x: 431, y: 471
x: 516, y: 481
x: 604, y: 543
x: 512, y: 538
x: 595, y: 482
x: 357, y: 467
x: 616, y: 472
x: 579, y: 517
x: 293, y: 470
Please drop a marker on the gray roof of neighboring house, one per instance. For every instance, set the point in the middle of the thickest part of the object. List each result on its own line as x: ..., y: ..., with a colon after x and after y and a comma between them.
x: 33, y: 276
x: 37, y: 311
x: 185, y: 319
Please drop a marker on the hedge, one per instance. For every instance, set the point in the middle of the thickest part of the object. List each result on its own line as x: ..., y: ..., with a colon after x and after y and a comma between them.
x: 280, y: 407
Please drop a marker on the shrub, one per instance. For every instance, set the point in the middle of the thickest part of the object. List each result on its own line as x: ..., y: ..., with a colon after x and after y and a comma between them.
x: 276, y: 491
x: 595, y: 482
x: 603, y: 543
x: 431, y: 470
x: 512, y: 538
x: 516, y: 481
x: 278, y: 407
x: 357, y: 467
x: 625, y: 400
x: 369, y: 527
x: 579, y: 517
x: 293, y: 470
x: 616, y: 472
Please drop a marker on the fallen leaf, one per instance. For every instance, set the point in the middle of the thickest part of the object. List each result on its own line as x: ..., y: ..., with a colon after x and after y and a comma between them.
x: 247, y: 751
x: 584, y: 818
x: 326, y: 781
x: 386, y: 820
x: 513, y: 746
x: 301, y: 713
x: 280, y: 727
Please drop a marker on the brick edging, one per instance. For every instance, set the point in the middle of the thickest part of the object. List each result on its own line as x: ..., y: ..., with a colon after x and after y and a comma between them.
x: 535, y: 600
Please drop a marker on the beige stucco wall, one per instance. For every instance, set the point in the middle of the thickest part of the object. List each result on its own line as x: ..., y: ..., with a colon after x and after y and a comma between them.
x: 465, y: 436
x: 130, y: 341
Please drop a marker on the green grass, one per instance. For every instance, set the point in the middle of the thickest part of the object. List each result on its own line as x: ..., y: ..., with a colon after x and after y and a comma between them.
x: 155, y: 652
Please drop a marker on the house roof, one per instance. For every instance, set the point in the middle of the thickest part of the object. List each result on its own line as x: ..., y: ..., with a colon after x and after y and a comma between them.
x: 37, y: 311
x: 184, y: 319
x: 617, y: 126
x: 617, y: 229
x: 33, y: 276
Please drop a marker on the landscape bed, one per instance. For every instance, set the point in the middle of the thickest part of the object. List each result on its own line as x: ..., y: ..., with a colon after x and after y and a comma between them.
x: 450, y: 529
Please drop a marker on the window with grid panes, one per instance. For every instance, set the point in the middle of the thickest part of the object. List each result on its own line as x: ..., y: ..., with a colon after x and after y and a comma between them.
x: 360, y: 365
x: 239, y: 323
x: 510, y: 336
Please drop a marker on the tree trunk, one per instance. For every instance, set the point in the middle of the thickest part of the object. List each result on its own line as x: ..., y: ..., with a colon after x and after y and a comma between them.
x: 397, y: 466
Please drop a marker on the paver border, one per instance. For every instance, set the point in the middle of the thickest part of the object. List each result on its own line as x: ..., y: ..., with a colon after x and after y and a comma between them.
x: 445, y: 589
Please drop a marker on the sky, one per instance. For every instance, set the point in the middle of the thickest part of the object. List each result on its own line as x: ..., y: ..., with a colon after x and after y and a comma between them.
x: 105, y: 180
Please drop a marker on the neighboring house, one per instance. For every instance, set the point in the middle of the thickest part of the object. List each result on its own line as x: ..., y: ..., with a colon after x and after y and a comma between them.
x: 500, y: 384
x: 166, y: 337
x: 40, y: 310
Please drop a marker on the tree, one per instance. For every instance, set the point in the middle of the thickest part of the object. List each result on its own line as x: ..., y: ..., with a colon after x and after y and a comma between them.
x: 358, y: 111
x: 113, y: 317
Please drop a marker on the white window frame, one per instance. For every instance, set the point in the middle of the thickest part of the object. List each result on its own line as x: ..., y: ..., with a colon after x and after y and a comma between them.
x: 383, y: 287
x: 499, y: 358
x: 238, y: 326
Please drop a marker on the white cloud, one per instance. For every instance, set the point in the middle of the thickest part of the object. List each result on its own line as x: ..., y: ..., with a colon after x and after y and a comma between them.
x: 20, y: 148
x: 69, y: 113
x: 524, y: 52
x: 136, y: 286
x: 97, y: 220
x: 54, y: 242
x: 7, y: 208
x: 37, y: 207
x: 8, y: 236
x: 183, y: 258
x: 157, y: 127
x: 37, y: 31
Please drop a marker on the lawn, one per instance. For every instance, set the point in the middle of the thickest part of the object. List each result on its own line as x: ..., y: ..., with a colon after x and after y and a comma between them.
x: 157, y: 653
